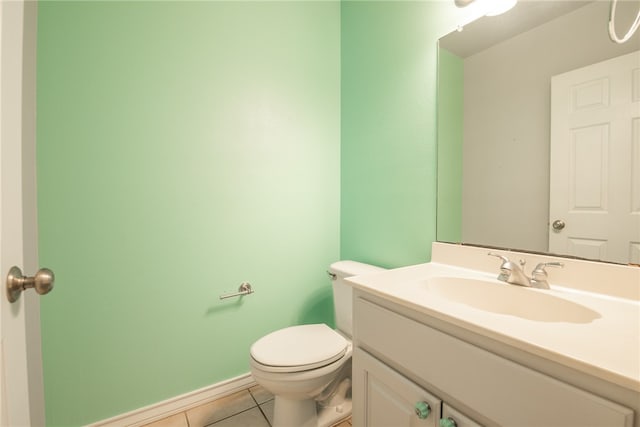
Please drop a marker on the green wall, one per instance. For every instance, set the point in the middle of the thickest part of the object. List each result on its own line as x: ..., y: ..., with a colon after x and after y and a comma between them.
x: 388, y: 130
x: 450, y: 138
x: 183, y: 148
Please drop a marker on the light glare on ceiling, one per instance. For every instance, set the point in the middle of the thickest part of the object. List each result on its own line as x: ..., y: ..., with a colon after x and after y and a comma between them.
x: 491, y: 7
x: 499, y: 7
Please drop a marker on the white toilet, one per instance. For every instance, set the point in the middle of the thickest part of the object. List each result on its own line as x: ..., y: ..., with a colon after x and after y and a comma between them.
x: 308, y: 367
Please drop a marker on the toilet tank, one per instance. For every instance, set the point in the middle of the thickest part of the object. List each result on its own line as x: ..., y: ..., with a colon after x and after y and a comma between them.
x: 343, y: 293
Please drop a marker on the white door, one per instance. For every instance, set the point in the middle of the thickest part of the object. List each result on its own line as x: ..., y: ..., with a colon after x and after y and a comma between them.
x: 595, y: 161
x: 21, y: 390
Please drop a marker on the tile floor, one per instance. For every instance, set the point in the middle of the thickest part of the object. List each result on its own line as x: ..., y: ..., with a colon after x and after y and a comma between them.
x: 247, y: 408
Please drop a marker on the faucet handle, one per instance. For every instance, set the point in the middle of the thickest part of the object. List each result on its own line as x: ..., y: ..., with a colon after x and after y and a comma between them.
x: 539, y: 274
x: 540, y: 268
x: 505, y: 267
x: 502, y: 257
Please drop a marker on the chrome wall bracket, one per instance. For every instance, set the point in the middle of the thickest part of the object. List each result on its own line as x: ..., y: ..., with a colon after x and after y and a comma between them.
x: 244, y: 289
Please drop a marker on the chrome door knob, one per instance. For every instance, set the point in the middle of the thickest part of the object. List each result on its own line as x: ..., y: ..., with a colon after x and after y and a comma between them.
x: 558, y: 224
x: 42, y: 282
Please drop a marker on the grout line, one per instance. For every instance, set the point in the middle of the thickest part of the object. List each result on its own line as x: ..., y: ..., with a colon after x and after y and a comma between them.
x: 264, y: 415
x: 253, y: 397
x: 260, y: 407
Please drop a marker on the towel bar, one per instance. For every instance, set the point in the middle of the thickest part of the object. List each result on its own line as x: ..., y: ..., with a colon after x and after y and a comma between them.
x: 244, y: 289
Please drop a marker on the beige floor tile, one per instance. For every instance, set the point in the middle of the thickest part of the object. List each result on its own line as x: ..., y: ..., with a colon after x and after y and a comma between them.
x: 267, y: 409
x: 214, y: 411
x: 236, y: 410
x: 260, y: 394
x: 251, y: 418
x: 178, y: 420
x: 345, y: 423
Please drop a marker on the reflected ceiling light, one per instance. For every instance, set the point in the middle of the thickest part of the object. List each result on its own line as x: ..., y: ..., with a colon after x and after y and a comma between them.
x: 499, y: 7
x: 492, y: 7
x: 612, y: 28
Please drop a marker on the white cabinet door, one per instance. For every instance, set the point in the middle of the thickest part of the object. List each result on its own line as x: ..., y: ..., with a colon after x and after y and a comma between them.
x: 456, y: 419
x: 384, y: 398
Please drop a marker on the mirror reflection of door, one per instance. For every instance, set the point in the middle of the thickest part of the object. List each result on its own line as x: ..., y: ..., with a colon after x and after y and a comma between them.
x: 595, y: 161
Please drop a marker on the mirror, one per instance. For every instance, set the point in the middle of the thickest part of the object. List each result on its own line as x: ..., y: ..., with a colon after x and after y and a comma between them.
x: 494, y: 91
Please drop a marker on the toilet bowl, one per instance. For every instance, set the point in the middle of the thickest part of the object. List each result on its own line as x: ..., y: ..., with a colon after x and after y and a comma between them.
x: 308, y: 367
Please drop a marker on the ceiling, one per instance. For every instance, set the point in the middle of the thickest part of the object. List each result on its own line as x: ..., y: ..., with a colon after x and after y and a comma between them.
x: 490, y: 30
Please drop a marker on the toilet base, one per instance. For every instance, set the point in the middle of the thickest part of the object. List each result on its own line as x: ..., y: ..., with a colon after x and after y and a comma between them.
x: 331, y: 415
x: 308, y: 413
x: 290, y: 413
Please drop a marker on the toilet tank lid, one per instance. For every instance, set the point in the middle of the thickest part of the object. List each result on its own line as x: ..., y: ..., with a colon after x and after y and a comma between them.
x: 352, y: 268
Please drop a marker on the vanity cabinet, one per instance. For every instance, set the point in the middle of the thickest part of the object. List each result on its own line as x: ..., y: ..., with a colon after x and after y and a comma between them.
x: 399, y: 361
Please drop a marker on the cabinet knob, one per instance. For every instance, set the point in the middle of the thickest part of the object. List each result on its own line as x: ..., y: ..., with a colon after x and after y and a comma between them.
x: 422, y: 410
x: 448, y: 422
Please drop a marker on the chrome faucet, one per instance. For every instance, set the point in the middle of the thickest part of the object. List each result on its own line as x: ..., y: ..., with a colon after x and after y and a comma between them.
x: 511, y: 272
x: 514, y: 274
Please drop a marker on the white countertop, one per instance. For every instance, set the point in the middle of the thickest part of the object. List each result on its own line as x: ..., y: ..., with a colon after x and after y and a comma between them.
x: 606, y: 345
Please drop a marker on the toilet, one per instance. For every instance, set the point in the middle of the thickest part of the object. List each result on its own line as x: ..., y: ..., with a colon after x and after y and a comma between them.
x: 308, y: 367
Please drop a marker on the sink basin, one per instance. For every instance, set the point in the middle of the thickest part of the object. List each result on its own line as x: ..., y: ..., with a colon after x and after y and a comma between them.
x: 512, y: 300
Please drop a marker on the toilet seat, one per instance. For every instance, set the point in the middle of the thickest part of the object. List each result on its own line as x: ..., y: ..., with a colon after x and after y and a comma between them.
x: 299, y: 348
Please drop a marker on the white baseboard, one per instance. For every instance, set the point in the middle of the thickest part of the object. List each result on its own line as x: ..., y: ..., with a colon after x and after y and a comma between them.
x: 177, y: 404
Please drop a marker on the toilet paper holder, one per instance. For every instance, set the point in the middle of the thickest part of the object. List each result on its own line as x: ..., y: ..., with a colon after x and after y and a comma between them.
x: 244, y: 289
